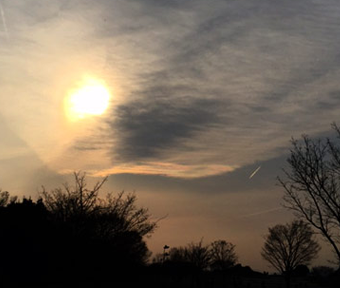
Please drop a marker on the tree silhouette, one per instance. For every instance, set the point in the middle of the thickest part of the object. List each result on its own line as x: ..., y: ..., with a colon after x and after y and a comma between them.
x: 178, y: 255
x: 198, y: 254
x: 25, y: 236
x: 288, y: 246
x: 218, y: 255
x: 222, y: 255
x: 312, y: 185
x: 70, y: 234
x: 71, y: 202
x: 102, y: 235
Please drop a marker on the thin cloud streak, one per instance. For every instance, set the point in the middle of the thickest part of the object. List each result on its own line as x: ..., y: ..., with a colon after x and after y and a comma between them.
x: 262, y: 212
x: 3, y: 18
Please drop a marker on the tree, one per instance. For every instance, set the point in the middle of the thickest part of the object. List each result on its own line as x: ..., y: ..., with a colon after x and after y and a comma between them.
x: 25, y: 238
x: 73, y: 202
x: 117, y: 213
x: 198, y: 254
x: 222, y: 255
x: 97, y: 235
x: 288, y: 246
x: 218, y: 255
x: 178, y: 254
x: 312, y: 185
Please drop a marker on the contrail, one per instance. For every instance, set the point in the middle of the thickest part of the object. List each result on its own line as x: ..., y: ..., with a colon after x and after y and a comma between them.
x: 3, y: 18
x: 261, y: 212
x: 253, y: 174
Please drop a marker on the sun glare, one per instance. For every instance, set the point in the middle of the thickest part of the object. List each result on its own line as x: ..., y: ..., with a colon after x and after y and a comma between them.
x: 90, y: 99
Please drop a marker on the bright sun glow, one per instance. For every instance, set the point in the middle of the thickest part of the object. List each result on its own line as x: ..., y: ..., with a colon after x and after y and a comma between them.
x: 90, y: 99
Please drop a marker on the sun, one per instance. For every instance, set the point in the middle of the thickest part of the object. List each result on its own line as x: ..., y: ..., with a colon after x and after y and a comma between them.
x: 91, y: 98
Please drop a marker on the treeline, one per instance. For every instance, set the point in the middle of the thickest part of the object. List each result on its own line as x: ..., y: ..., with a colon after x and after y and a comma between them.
x: 218, y: 255
x: 70, y: 234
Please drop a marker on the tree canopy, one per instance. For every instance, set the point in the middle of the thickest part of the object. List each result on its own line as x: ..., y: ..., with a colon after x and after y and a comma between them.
x: 290, y: 245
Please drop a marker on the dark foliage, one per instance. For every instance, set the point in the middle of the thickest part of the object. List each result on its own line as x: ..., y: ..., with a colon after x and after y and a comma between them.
x: 72, y: 238
x: 72, y: 235
x: 218, y: 255
x: 222, y: 255
x: 288, y: 247
x: 25, y: 235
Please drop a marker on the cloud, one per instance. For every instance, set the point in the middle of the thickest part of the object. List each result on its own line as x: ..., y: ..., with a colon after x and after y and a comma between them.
x: 239, y: 74
x: 146, y: 128
x: 224, y: 83
x: 166, y: 178
x: 165, y: 170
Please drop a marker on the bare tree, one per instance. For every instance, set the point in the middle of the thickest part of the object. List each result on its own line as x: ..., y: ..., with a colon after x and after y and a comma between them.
x: 178, y: 254
x: 115, y: 224
x: 70, y: 201
x: 290, y: 245
x: 222, y: 255
x: 131, y: 218
x: 312, y: 185
x: 218, y: 255
x: 198, y: 254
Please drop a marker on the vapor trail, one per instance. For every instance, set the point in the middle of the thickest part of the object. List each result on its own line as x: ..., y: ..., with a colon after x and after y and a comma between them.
x: 253, y: 174
x: 3, y: 18
x: 261, y: 212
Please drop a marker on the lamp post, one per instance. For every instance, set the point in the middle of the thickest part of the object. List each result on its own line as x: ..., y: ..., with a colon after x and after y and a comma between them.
x: 166, y: 247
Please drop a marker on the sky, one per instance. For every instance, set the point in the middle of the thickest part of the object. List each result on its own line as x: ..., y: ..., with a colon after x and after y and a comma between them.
x: 203, y: 93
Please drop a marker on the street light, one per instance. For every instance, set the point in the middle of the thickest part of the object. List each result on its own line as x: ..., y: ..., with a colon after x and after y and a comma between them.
x: 165, y: 254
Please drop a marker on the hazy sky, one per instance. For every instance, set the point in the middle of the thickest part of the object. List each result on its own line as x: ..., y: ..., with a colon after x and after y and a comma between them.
x: 203, y: 92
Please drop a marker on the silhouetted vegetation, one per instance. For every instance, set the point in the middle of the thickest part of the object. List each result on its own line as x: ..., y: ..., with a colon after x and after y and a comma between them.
x: 312, y: 185
x: 70, y: 237
x: 200, y: 265
x: 218, y: 255
x: 288, y: 247
x: 71, y: 234
x: 222, y: 255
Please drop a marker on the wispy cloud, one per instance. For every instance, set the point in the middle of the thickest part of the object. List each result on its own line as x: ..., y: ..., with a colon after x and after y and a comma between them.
x: 165, y: 169
x: 262, y: 212
x: 223, y: 83
x: 255, y: 72
x: 3, y: 18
